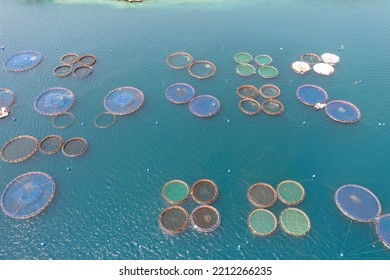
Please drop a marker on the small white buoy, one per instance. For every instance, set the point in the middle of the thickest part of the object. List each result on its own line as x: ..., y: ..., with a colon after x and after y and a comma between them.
x: 14, y: 119
x: 341, y: 254
x: 229, y: 171
x: 379, y: 124
x: 226, y: 80
x: 383, y: 124
x: 314, y: 176
x: 223, y: 48
x: 228, y: 121
x: 2, y: 47
x: 148, y: 170
x: 156, y: 123
x: 43, y: 244
x: 68, y: 168
x: 238, y: 247
x: 281, y: 48
x: 82, y: 124
x: 303, y: 123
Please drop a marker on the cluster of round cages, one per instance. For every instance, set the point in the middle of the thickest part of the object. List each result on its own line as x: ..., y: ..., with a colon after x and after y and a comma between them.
x: 28, y: 195
x: 311, y: 95
x: 290, y: 192
x: 7, y: 98
x: 23, y: 61
x: 201, y: 69
x: 79, y: 66
x: 245, y: 69
x: 19, y: 149
x: 294, y: 222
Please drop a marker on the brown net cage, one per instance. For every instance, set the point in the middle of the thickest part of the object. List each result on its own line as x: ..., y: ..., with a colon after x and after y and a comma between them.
x: 70, y: 58
x: 87, y: 59
x: 173, y: 220
x: 51, y: 144
x: 269, y: 91
x: 310, y: 58
x: 204, y: 191
x: 74, y: 147
x: 179, y: 60
x: 63, y: 71
x: 262, y: 195
x: 249, y: 106
x: 104, y: 120
x: 272, y: 107
x: 63, y: 120
x: 247, y: 91
x: 202, y: 69
x: 82, y: 71
x: 205, y: 218
x: 19, y: 149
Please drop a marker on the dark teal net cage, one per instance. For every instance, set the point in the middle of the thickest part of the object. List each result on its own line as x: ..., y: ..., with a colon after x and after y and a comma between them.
x: 342, y: 111
x: 123, y: 100
x: 180, y: 93
x: 28, y: 195
x: 54, y: 101
x: 311, y: 95
x: 7, y: 98
x: 204, y: 106
x: 357, y: 203
x: 202, y: 69
x: 179, y: 60
x: 23, y: 61
x: 82, y: 71
x: 19, y: 149
x: 383, y: 229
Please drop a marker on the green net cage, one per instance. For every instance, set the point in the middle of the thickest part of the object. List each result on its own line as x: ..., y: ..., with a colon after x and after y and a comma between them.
x: 290, y: 192
x: 262, y: 222
x: 175, y: 192
x: 294, y: 222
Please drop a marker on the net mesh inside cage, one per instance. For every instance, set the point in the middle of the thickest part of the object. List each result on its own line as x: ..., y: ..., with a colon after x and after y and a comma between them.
x: 342, y: 111
x: 311, y: 95
x: 268, y: 72
x: 263, y: 59
x: 19, y: 149
x: 63, y: 120
x: 174, y: 220
x: 300, y: 67
x: 23, y: 61
x: 247, y: 91
x: 269, y: 91
x: 243, y: 57
x: 54, y: 101
x: 204, y: 191
x: 74, y: 147
x: 205, y: 218
x: 175, y: 191
x: 249, y: 106
x: 7, y: 98
x: 124, y: 100
x: 294, y: 222
x: 87, y: 59
x: 310, y: 58
x: 383, y: 230
x: 179, y: 60
x: 28, y: 195
x: 262, y: 195
x: 204, y: 106
x: 246, y: 70
x: 290, y: 192
x: 82, y: 71
x: 69, y: 58
x: 272, y: 107
x: 262, y: 222
x: 104, y: 120
x: 63, y: 71
x: 51, y: 144
x: 202, y: 69
x: 180, y: 93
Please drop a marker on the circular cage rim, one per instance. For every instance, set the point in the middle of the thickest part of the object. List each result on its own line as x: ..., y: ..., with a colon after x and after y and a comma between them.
x: 179, y: 102
x: 22, y: 158
x: 173, y: 232
x: 264, y: 64
x: 358, y: 117
x: 88, y: 55
x: 243, y: 53
x: 53, y: 151
x: 311, y: 86
x: 315, y: 69
x: 206, y: 230
x: 55, y: 114
x: 177, y: 54
x: 13, y: 96
x: 216, y: 191
x: 43, y: 208
x: 71, y: 62
x: 271, y: 86
x: 254, y: 203
x: 171, y: 201
x: 82, y: 66
x: 255, y: 232
x: 71, y: 140
x: 316, y: 56
x: 268, y: 77
x: 290, y: 232
x: 247, y: 86
x: 63, y: 75
x: 281, y: 198
x: 333, y: 55
x: 122, y: 88
x: 301, y: 72
x: 246, y: 65
x: 248, y: 112
x: 201, y: 115
x: 26, y: 68
x: 381, y: 239
x: 202, y: 62
x: 104, y: 126
x: 73, y: 119
x: 273, y: 113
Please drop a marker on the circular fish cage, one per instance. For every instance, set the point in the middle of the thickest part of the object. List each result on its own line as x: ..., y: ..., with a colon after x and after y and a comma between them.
x: 294, y: 222
x: 383, y: 230
x: 330, y: 58
x: 7, y: 98
x: 205, y: 218
x: 243, y: 57
x: 262, y: 222
x: 63, y: 120
x: 175, y: 192
x: 180, y: 93
x: 63, y: 71
x: 311, y: 95
x: 70, y: 58
x: 300, y: 67
x: 269, y: 91
x: 23, y: 61
x: 310, y: 58
x: 179, y: 60
x: 268, y: 72
x: 104, y: 120
x: 28, y: 195
x: 249, y: 106
x: 87, y: 59
x: 19, y: 149
x: 262, y: 195
x: 204, y: 191
x: 246, y: 70
x: 51, y: 144
x: 272, y: 107
x: 123, y: 101
x: 247, y: 91
x: 174, y: 220
x: 357, y: 203
x: 202, y: 69
x: 323, y: 69
x: 263, y: 60
x: 290, y: 192
x: 342, y: 111
x: 54, y: 101
x: 74, y: 147
x: 204, y: 106
x: 82, y: 71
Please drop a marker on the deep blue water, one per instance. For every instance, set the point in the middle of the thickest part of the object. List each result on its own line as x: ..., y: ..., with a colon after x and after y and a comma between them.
x: 107, y: 206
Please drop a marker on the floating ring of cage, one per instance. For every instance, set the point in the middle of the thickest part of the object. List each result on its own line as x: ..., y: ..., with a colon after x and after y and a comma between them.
x: 82, y: 71
x: 342, y: 111
x: 294, y: 222
x: 202, y: 69
x: 300, y: 67
x: 70, y: 58
x: 262, y: 222
x: 330, y: 58
x: 179, y: 60
x: 243, y: 57
x: 63, y: 71
x: 357, y: 203
x: 247, y: 91
x: 249, y: 106
x: 272, y: 107
x: 74, y: 147
x: 174, y: 220
x: 290, y: 192
x: 28, y: 195
x: 268, y: 72
x: 51, y: 144
x: 311, y: 95
x: 310, y: 58
x: 104, y: 115
x: 245, y: 70
x: 180, y: 93
x: 204, y: 191
x: 175, y: 192
x: 263, y: 59
x: 58, y: 120
x: 383, y: 230
x: 19, y: 149
x: 205, y: 218
x: 204, y: 106
x: 269, y: 91
x: 323, y: 69
x: 124, y: 100
x: 23, y: 61
x: 54, y: 101
x: 262, y: 195
x: 7, y: 98
x: 87, y: 59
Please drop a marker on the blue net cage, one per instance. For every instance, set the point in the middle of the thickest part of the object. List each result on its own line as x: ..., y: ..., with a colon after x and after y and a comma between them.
x: 383, y: 230
x: 342, y: 111
x: 204, y: 106
x: 28, y: 195
x: 311, y: 94
x: 54, y: 101
x: 180, y: 93
x: 23, y: 61
x: 7, y: 98
x: 357, y: 203
x: 123, y: 100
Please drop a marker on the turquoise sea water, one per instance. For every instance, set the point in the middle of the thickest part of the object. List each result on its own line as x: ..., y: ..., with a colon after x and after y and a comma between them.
x: 107, y: 206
